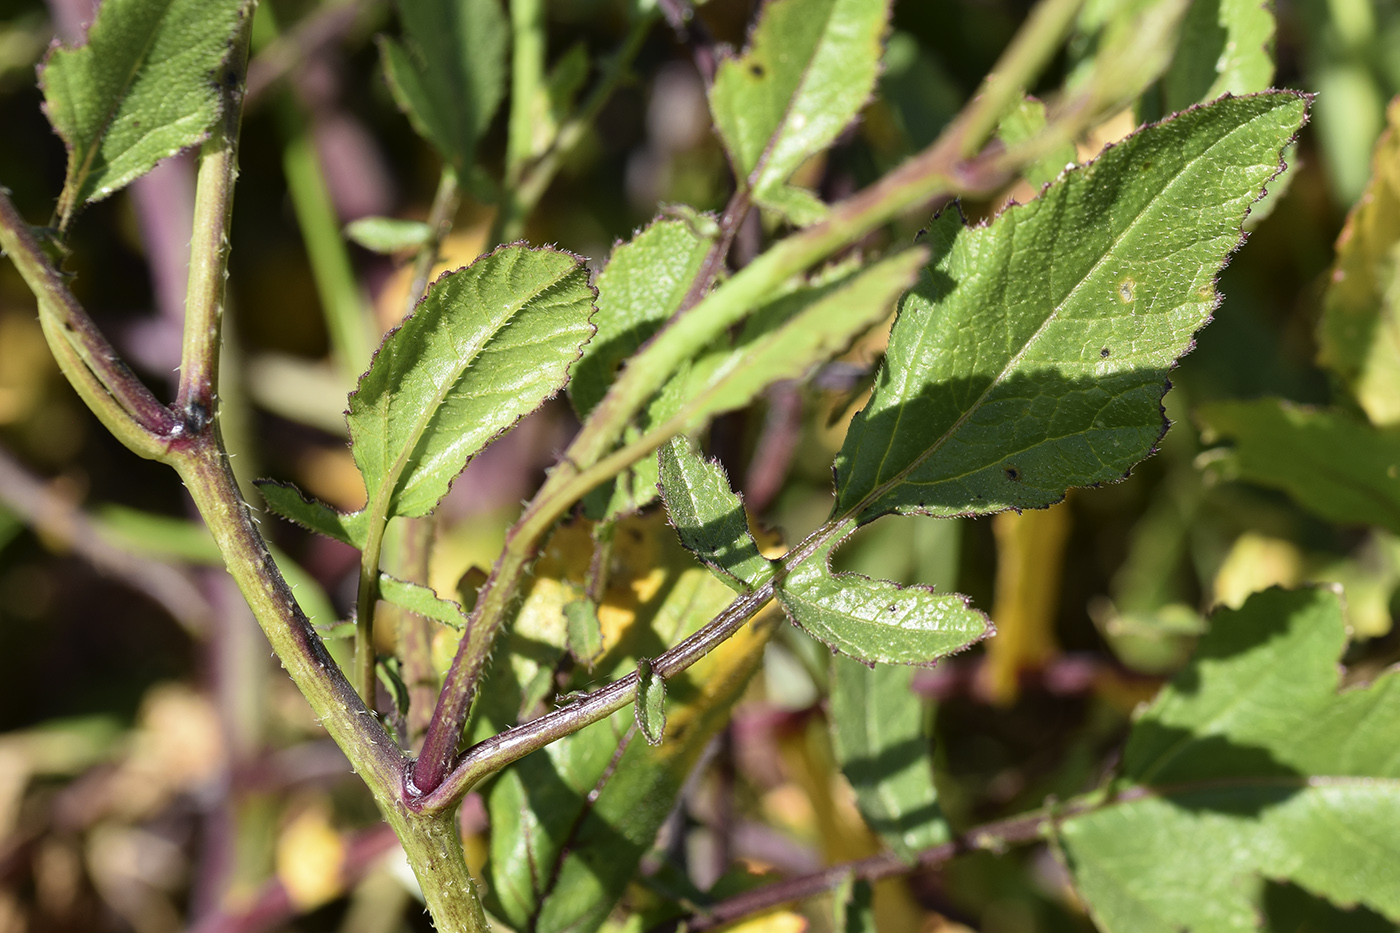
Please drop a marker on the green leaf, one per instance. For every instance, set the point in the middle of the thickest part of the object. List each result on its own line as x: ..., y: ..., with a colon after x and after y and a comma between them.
x: 1033, y: 354
x: 387, y: 234
x: 487, y: 345
x: 875, y: 620
x: 1249, y: 766
x: 146, y: 85
x: 1025, y: 123
x: 1225, y: 48
x: 642, y: 285
x: 709, y: 517
x: 1335, y: 466
x: 286, y: 500
x: 423, y: 600
x: 808, y: 70
x: 1359, y: 336
x: 448, y: 75
x: 650, y: 706
x: 1132, y: 41
x: 877, y: 724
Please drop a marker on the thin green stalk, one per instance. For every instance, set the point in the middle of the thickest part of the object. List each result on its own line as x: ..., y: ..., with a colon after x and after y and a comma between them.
x: 527, y: 91
x: 518, y: 200
x: 342, y: 303
x: 441, y: 216
x: 366, y: 598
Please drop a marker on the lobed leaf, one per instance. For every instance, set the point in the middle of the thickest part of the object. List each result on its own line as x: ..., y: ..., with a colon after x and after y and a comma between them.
x: 487, y: 345
x: 709, y: 518
x: 874, y: 620
x: 1359, y: 335
x: 1329, y: 463
x: 809, y: 68
x: 877, y: 728
x: 1225, y: 47
x: 448, y: 75
x: 145, y: 86
x: 1033, y: 354
x: 1249, y: 766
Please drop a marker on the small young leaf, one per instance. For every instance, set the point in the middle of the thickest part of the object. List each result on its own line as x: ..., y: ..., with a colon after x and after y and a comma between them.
x: 1225, y: 48
x: 875, y: 620
x: 387, y: 234
x: 1013, y: 373
x: 797, y: 206
x: 486, y: 346
x: 1329, y: 463
x: 423, y: 600
x: 448, y: 75
x: 286, y: 500
x: 1359, y: 336
x: 877, y: 727
x: 809, y: 69
x: 146, y: 85
x: 1023, y: 124
x: 709, y: 517
x: 651, y: 703
x: 585, y: 631
x: 1249, y: 766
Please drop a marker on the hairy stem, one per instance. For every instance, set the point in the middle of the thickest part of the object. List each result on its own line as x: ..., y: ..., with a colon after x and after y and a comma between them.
x: 937, y: 173
x: 441, y: 216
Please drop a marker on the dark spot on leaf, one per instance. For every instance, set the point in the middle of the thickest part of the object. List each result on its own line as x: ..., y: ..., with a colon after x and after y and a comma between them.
x: 756, y: 70
x: 1105, y: 352
x: 1013, y: 473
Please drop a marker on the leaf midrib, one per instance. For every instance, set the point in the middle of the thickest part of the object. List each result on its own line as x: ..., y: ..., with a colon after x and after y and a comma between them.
x: 879, y: 491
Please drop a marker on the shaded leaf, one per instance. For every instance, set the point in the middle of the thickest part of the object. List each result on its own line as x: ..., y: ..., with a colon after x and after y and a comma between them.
x: 585, y: 632
x: 1254, y: 764
x: 1329, y: 463
x: 1015, y: 372
x: 877, y: 727
x: 854, y: 907
x: 708, y: 516
x: 809, y: 68
x: 1359, y: 335
x: 448, y: 74
x: 1226, y: 47
x: 650, y: 703
x: 486, y: 346
x: 642, y: 285
x: 1132, y: 42
x: 146, y: 85
x: 874, y: 620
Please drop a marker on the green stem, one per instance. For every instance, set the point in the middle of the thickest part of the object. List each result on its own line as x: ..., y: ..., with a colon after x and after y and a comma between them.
x: 518, y: 200
x: 1034, y: 45
x: 342, y: 303
x: 121, y: 401
x: 526, y: 85
x: 440, y: 219
x: 366, y: 599
x: 434, y: 851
